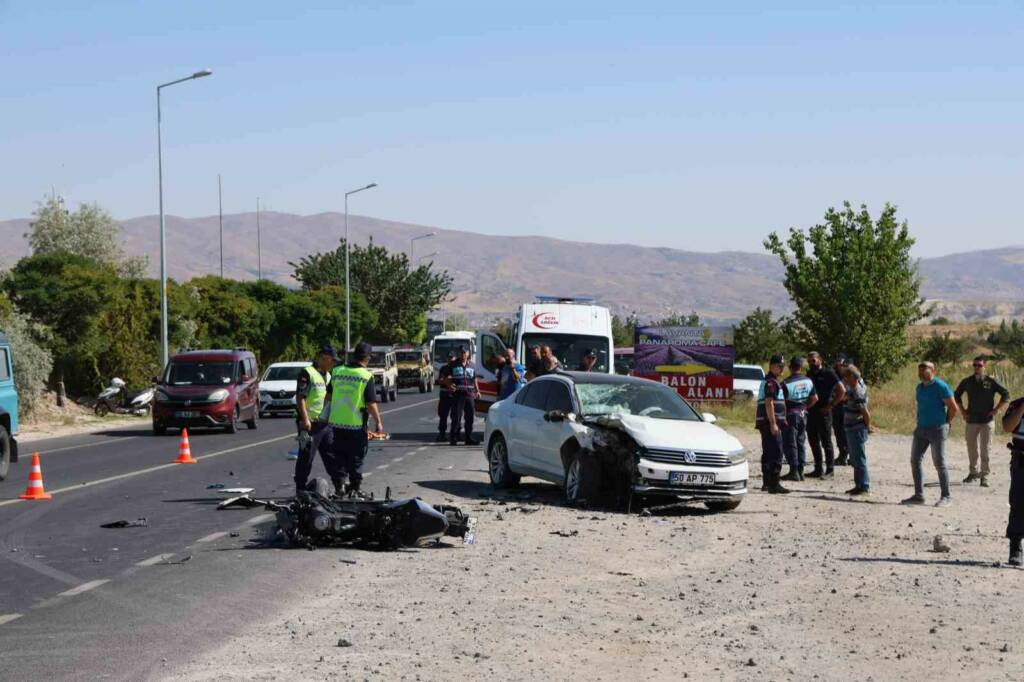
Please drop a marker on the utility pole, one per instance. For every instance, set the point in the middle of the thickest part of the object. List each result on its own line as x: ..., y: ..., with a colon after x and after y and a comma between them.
x: 259, y: 248
x: 220, y: 220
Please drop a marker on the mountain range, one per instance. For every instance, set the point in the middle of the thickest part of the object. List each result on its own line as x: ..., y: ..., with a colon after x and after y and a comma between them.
x: 493, y: 274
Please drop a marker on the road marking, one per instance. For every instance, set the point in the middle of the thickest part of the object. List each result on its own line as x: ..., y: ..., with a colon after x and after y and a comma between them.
x: 84, y: 587
x: 213, y: 536
x: 154, y: 560
x: 84, y: 445
x: 161, y: 467
x: 8, y: 617
x: 382, y: 466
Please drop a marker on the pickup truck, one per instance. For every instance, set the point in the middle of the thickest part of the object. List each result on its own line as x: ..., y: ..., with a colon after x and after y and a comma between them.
x: 8, y: 409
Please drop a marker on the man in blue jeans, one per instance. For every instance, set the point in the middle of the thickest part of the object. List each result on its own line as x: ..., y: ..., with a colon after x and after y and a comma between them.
x: 857, y: 425
x: 936, y: 409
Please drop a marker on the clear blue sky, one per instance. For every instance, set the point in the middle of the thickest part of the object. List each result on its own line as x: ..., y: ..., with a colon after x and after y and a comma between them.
x: 697, y: 126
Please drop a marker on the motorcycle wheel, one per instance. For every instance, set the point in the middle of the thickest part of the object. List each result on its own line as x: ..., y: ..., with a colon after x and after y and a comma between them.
x: 102, y: 409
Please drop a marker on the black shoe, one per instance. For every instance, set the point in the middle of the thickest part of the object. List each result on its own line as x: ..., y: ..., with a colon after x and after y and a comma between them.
x: 971, y: 478
x: 441, y: 437
x: 984, y: 481
x: 792, y: 475
x: 453, y: 442
x: 777, y: 489
x: 829, y: 474
x: 857, y: 490
x: 817, y: 473
x: 800, y: 473
x: 841, y: 462
x: 1016, y: 553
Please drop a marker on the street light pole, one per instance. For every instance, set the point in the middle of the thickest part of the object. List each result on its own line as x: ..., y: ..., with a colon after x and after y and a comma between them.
x: 220, y: 222
x: 259, y: 247
x: 348, y: 298
x: 163, y: 231
x: 412, y: 244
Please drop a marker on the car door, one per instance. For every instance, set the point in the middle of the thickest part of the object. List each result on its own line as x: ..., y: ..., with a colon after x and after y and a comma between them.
x: 528, y: 414
x: 549, y: 435
x: 488, y: 345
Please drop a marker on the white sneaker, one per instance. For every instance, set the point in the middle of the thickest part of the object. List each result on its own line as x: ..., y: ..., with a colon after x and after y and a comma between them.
x: 944, y: 502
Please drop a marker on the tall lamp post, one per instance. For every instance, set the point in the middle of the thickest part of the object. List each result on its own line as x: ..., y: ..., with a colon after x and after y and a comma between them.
x: 259, y: 244
x: 412, y: 244
x: 163, y: 232
x: 348, y: 299
x: 220, y: 222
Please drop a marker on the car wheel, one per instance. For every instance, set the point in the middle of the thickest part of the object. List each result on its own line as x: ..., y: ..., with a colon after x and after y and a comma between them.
x: 159, y: 430
x: 423, y: 387
x: 497, y: 465
x: 5, y: 453
x: 394, y: 393
x: 232, y: 426
x: 264, y: 415
x: 723, y: 505
x: 383, y: 393
x: 582, y: 480
x: 254, y: 422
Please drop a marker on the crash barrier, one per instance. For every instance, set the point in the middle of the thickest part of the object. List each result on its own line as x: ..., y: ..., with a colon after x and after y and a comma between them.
x: 35, y: 490
x: 184, y: 450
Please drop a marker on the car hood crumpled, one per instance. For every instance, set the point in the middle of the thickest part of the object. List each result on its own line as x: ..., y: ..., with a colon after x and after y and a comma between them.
x: 670, y: 434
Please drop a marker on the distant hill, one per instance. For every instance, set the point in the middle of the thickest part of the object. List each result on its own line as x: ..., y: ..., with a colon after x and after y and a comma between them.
x: 493, y: 273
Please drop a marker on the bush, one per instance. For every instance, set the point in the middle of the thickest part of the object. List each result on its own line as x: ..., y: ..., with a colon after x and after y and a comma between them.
x: 940, y: 321
x: 943, y: 349
x: 32, y: 361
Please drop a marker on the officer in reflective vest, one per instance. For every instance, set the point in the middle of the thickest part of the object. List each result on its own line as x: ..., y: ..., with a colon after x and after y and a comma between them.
x: 1013, y: 423
x: 310, y: 396
x: 800, y: 397
x: 353, y: 397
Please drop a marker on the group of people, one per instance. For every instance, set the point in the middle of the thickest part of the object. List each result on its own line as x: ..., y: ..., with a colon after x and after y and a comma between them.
x: 822, y: 402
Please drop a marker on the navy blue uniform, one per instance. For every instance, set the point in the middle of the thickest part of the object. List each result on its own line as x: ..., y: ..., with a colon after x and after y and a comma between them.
x: 463, y: 404
x: 819, y: 418
x: 444, y: 401
x: 1015, y: 523
x: 799, y: 389
x: 771, y: 444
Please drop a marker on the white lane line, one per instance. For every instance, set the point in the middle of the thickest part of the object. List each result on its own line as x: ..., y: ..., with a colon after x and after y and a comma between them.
x: 258, y: 519
x: 161, y: 467
x: 213, y: 536
x: 75, y: 447
x: 8, y: 617
x: 382, y: 466
x: 154, y: 560
x: 84, y: 587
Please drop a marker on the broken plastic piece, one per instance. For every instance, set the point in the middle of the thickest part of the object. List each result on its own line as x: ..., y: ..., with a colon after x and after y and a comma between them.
x: 236, y: 491
x: 215, y: 486
x: 242, y: 501
x: 141, y: 522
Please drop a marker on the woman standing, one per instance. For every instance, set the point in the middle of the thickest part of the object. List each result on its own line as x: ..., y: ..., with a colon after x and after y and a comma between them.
x: 857, y: 425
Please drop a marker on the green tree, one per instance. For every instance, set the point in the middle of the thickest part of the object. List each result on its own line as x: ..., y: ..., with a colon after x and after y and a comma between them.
x: 457, y: 322
x: 677, y: 320
x: 855, y: 287
x: 90, y: 232
x: 758, y: 336
x: 942, y: 348
x: 1009, y: 341
x: 398, y: 293
x: 624, y: 330
x: 304, y: 321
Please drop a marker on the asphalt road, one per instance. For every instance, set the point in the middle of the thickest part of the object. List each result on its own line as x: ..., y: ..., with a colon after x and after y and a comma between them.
x: 78, y: 601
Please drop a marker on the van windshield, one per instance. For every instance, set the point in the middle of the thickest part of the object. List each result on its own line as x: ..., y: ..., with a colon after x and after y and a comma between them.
x: 377, y: 359
x: 443, y: 347
x: 570, y: 349
x: 409, y: 356
x: 200, y: 373
x: 283, y: 374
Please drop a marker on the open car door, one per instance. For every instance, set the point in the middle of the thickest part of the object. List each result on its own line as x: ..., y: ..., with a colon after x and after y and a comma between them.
x: 489, y: 347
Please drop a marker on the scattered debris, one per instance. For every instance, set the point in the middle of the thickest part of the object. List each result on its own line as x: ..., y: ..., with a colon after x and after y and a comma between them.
x: 176, y: 563
x: 750, y: 663
x: 565, y: 533
x: 234, y: 534
x: 939, y: 544
x: 347, y: 561
x: 236, y: 491
x: 344, y: 643
x: 242, y: 501
x: 140, y: 522
x: 214, y: 486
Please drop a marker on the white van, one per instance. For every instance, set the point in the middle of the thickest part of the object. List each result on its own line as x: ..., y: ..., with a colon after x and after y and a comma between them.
x: 570, y: 326
x: 442, y: 345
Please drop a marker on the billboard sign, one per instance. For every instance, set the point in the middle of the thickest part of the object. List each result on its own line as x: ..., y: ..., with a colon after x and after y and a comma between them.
x: 434, y: 327
x: 696, y: 361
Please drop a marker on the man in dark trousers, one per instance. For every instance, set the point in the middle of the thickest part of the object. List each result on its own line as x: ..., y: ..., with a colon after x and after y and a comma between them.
x: 444, y: 400
x: 1013, y: 423
x: 819, y: 418
x: 462, y: 382
x: 843, y: 449
x: 800, y: 397
x: 353, y: 398
x: 311, y: 420
x: 770, y: 420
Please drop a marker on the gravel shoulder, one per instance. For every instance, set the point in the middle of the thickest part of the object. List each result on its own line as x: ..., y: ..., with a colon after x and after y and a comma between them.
x: 813, y: 585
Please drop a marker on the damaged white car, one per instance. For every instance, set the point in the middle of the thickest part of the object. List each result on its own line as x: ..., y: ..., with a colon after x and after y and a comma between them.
x: 607, y: 439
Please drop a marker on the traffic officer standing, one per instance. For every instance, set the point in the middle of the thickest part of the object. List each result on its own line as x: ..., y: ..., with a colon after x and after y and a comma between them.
x: 444, y: 399
x: 310, y: 396
x: 770, y: 420
x: 800, y: 397
x: 353, y: 397
x: 1013, y: 422
x: 464, y: 387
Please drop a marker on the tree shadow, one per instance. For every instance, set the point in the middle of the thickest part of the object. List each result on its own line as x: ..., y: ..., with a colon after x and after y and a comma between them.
x: 848, y: 500
x: 969, y: 563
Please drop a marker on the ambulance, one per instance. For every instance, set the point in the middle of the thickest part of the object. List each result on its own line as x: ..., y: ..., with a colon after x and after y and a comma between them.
x: 569, y: 325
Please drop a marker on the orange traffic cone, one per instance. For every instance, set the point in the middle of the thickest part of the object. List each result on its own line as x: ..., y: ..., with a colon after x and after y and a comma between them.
x: 35, y: 491
x: 184, y: 450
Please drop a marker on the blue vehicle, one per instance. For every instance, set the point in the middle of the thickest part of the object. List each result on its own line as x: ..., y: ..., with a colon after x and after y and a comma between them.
x: 8, y: 409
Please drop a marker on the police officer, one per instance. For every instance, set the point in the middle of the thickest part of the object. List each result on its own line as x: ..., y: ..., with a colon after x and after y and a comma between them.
x: 1013, y: 423
x: 444, y: 399
x: 770, y: 420
x: 353, y: 397
x: 462, y: 382
x: 314, y: 436
x: 800, y: 397
x: 819, y: 418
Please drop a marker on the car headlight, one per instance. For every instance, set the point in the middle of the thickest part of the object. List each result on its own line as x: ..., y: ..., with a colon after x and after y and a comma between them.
x: 218, y: 396
x: 738, y: 457
x: 159, y: 395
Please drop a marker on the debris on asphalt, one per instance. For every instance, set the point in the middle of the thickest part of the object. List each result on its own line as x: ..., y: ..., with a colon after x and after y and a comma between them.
x: 347, y: 561
x: 565, y: 533
x: 176, y: 563
x: 236, y: 491
x: 234, y: 534
x: 215, y: 486
x: 141, y: 522
x: 242, y: 501
x: 344, y: 643
x: 939, y: 544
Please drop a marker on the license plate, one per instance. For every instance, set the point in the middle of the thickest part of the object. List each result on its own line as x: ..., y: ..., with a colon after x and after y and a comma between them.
x: 688, y: 478
x: 186, y: 414
x: 281, y: 402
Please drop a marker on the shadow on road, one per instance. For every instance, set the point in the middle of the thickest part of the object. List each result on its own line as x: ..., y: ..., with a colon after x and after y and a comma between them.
x: 970, y: 563
x: 849, y: 500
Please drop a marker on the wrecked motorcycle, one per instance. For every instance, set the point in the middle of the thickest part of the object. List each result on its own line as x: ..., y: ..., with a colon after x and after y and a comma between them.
x: 314, y: 518
x: 116, y: 398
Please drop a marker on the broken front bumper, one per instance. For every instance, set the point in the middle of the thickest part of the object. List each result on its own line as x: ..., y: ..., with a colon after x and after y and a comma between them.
x: 656, y: 478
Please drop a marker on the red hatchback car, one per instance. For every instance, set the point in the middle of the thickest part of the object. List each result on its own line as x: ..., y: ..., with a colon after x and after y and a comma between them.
x: 207, y: 388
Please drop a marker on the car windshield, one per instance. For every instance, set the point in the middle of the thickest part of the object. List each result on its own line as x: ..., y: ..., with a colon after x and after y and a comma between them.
x: 442, y: 347
x: 376, y: 359
x: 200, y: 373
x: 409, y: 356
x: 570, y: 348
x: 747, y: 373
x: 642, y: 399
x: 283, y: 374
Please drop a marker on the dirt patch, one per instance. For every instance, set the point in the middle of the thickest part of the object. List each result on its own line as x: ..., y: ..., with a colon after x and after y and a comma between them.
x: 50, y: 421
x: 813, y: 585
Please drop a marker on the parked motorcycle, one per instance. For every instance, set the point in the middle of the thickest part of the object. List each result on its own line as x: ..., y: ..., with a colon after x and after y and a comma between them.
x: 116, y: 398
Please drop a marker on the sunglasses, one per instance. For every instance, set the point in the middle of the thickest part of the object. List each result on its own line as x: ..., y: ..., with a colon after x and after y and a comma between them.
x: 979, y: 364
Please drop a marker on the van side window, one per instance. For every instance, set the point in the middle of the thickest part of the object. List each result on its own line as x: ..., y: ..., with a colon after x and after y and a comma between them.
x: 241, y: 370
x: 5, y: 369
x: 252, y: 366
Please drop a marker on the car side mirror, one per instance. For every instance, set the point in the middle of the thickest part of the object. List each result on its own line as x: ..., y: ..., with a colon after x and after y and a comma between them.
x: 554, y: 416
x: 156, y: 380
x: 709, y: 418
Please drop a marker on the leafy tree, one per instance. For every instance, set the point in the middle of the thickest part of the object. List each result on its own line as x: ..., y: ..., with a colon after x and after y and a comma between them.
x: 90, y: 232
x: 677, y: 320
x: 940, y: 321
x: 132, y: 351
x: 457, y: 322
x: 758, y: 336
x: 398, y: 293
x: 1009, y: 340
x: 855, y: 287
x: 624, y: 330
x: 943, y: 348
x: 304, y: 321
x: 228, y: 314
